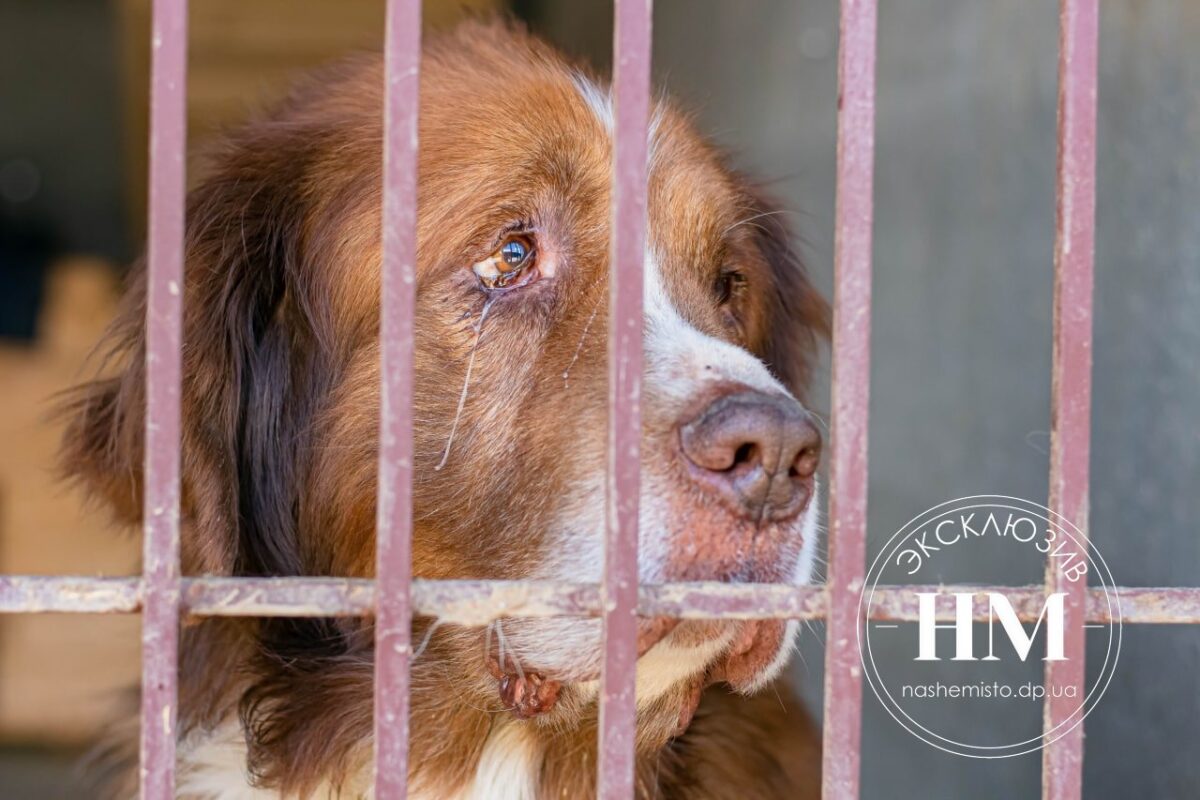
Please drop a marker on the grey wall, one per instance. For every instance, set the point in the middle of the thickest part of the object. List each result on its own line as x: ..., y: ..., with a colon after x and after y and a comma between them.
x: 61, y: 153
x: 962, y: 318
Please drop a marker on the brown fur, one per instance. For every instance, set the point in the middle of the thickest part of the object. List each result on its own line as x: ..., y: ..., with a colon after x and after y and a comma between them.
x: 280, y: 403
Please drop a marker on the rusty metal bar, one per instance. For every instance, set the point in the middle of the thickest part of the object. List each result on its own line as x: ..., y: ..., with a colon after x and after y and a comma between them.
x: 619, y: 591
x: 164, y: 329
x: 1071, y: 392
x: 45, y: 594
x: 393, y: 551
x: 470, y: 603
x: 899, y: 603
x: 851, y: 386
x: 279, y: 597
x: 477, y: 603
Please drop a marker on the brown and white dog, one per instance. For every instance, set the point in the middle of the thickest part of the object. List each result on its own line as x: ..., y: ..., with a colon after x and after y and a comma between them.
x: 281, y: 403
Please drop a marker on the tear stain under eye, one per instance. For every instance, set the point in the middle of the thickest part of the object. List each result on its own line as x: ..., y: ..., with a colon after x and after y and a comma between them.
x: 462, y: 398
x: 579, y: 347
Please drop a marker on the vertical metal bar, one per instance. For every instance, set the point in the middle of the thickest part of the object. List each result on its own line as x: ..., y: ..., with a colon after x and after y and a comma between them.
x: 851, y: 386
x: 631, y: 89
x: 1062, y: 759
x: 393, y: 549
x: 164, y: 326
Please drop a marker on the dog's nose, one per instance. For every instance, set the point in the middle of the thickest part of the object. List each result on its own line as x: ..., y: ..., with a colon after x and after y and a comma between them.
x: 758, y: 452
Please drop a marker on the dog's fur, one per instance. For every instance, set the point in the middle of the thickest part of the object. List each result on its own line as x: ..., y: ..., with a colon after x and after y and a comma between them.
x: 280, y: 402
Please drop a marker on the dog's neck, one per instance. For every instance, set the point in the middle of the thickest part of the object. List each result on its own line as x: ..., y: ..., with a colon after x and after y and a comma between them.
x: 311, y: 725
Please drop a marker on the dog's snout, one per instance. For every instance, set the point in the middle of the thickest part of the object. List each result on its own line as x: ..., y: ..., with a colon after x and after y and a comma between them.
x: 758, y: 452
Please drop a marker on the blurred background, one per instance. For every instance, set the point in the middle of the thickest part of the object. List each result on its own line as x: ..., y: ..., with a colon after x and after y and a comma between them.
x: 963, y: 242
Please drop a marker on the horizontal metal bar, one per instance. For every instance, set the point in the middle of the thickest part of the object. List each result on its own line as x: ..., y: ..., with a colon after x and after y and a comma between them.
x: 46, y: 594
x: 481, y: 602
x: 460, y: 602
x: 731, y: 601
x: 1137, y: 605
x: 279, y: 597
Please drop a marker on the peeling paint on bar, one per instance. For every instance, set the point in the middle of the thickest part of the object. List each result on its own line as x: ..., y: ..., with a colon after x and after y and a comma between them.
x: 164, y: 329
x: 708, y: 600
x: 271, y: 597
x: 37, y: 594
x: 393, y: 550
x: 850, y: 397
x: 1071, y: 380
x: 481, y: 603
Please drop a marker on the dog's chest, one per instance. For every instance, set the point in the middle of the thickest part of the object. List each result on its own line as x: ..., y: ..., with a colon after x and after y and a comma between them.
x: 213, y: 767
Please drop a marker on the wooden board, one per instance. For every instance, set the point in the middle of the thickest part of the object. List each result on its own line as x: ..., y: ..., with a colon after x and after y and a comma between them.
x: 60, y: 676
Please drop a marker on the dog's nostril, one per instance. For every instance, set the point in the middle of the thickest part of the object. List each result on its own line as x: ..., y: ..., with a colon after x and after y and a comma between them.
x: 758, y: 452
x: 747, y: 453
x: 805, y: 464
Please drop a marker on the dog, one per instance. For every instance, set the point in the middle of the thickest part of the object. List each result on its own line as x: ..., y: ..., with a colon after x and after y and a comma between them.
x: 280, y: 401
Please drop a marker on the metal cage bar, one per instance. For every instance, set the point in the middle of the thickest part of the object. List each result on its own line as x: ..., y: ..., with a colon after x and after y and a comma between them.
x: 393, y: 546
x: 619, y: 590
x: 1071, y: 382
x: 164, y: 329
x: 850, y: 399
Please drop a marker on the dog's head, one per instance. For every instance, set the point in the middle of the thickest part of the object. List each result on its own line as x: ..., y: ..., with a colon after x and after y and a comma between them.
x: 281, y: 354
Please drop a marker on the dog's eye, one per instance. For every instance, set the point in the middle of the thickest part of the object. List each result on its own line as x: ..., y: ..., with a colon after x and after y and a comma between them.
x: 514, y: 261
x: 730, y: 284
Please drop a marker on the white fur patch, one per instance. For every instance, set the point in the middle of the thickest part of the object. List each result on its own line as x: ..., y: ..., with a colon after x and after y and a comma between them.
x: 597, y: 99
x: 213, y: 767
x: 508, y: 766
x: 681, y: 360
x: 600, y: 102
x: 667, y: 665
x: 786, y: 647
x: 810, y: 527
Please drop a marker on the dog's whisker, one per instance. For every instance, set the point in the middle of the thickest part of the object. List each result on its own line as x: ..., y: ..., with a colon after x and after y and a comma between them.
x: 750, y: 219
x: 462, y: 398
x: 426, y: 639
x: 795, y: 645
x: 500, y: 646
x: 778, y: 697
x: 819, y: 420
x: 503, y: 647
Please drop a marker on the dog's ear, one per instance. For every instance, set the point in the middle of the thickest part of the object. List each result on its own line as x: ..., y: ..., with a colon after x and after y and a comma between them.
x: 249, y: 370
x: 102, y: 445
x: 799, y: 315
